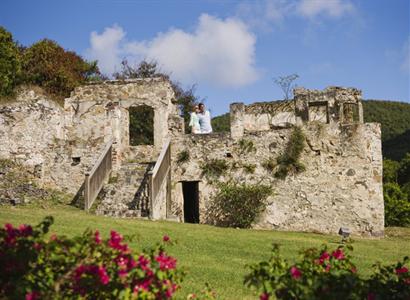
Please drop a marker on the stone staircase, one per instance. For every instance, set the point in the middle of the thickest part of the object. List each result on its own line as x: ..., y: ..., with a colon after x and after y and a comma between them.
x: 126, y: 193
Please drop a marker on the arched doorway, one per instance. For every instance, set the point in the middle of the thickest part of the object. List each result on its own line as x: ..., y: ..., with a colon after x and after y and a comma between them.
x: 141, y: 125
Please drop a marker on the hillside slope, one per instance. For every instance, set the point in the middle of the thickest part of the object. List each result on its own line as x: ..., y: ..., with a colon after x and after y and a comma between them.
x: 394, y: 117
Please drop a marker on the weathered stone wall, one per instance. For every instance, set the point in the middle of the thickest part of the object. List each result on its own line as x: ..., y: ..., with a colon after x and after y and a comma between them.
x: 342, y: 184
x: 29, y: 129
x: 62, y: 143
x: 332, y: 105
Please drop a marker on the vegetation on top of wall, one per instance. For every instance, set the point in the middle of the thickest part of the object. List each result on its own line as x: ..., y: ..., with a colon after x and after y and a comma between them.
x: 45, y: 64
x: 57, y: 70
x: 289, y: 162
x: 238, y: 204
x: 183, y: 156
x: 214, y: 168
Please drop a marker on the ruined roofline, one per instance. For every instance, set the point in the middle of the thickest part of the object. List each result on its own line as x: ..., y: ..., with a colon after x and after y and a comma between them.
x: 125, y: 81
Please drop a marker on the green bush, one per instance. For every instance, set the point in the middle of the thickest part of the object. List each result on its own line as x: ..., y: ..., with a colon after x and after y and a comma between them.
x: 326, y: 274
x: 58, y: 71
x: 390, y: 168
x: 289, y: 161
x: 396, y: 206
x: 403, y: 173
x: 10, y: 65
x: 238, y: 205
x: 214, y: 168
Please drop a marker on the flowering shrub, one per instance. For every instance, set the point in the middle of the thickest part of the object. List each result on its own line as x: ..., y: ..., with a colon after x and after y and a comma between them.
x: 325, y: 274
x: 86, y: 267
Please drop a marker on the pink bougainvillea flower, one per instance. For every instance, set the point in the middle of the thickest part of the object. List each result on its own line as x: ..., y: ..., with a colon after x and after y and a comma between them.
x: 143, y: 285
x: 264, y: 296
x: 338, y: 254
x: 122, y: 261
x: 102, y: 273
x: 122, y: 273
x: 37, y: 246
x: 295, y: 272
x: 353, y: 270
x: 25, y: 230
x: 407, y: 281
x: 53, y: 237
x: 33, y: 295
x: 401, y: 270
x: 165, y: 238
x: 115, y: 242
x: 323, y: 257
x: 143, y: 262
x: 166, y: 262
x: 12, y: 234
x: 327, y: 269
x: 371, y: 296
x: 97, y: 237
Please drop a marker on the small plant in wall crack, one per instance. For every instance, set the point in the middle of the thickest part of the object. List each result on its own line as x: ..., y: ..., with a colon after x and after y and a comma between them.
x: 289, y: 161
x: 183, y: 157
x: 249, y: 168
x: 246, y: 146
x: 214, y: 168
x: 269, y: 164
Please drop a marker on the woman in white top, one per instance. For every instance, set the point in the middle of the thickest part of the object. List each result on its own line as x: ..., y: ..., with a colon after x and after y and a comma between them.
x: 194, y: 121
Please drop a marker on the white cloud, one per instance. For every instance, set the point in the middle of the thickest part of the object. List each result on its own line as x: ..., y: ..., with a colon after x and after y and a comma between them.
x: 328, y: 8
x: 262, y: 14
x: 220, y: 52
x: 267, y: 14
x: 105, y: 48
x: 405, y: 66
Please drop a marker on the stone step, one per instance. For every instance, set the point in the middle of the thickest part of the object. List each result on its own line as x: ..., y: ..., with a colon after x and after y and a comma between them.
x: 118, y: 196
x: 123, y: 213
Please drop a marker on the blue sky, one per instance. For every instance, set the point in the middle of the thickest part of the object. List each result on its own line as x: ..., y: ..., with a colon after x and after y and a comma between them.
x: 233, y: 49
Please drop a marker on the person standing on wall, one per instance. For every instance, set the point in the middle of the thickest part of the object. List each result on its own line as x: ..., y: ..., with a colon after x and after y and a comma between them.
x: 204, y: 119
x: 194, y: 121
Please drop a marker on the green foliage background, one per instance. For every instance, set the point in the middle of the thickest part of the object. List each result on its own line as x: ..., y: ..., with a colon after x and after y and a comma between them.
x: 10, y: 65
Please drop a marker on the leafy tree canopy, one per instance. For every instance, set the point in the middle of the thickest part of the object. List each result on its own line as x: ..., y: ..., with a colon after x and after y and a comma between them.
x: 48, y: 65
x: 10, y: 65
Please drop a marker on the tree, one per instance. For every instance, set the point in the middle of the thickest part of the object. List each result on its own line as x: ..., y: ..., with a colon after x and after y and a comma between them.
x: 10, y: 65
x: 403, y: 174
x: 397, y: 206
x: 48, y: 65
x: 390, y: 168
x: 286, y: 83
x: 144, y: 69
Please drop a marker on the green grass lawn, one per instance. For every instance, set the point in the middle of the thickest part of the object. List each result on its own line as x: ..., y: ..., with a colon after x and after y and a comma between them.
x: 209, y: 254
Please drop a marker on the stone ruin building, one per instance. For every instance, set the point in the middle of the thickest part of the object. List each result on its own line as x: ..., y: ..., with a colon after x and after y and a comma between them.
x: 85, y: 149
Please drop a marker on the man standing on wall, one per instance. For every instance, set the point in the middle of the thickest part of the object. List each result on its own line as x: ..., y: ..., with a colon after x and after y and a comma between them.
x: 204, y: 119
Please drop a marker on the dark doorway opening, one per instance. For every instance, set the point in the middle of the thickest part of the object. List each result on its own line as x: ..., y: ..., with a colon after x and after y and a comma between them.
x: 191, y: 201
x: 141, y: 125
